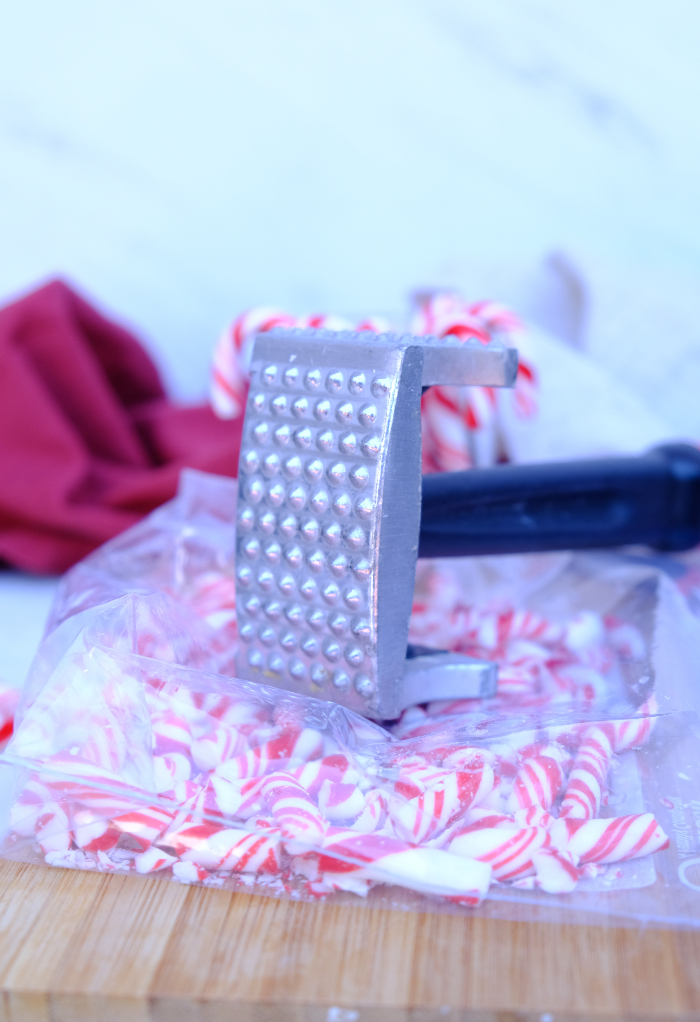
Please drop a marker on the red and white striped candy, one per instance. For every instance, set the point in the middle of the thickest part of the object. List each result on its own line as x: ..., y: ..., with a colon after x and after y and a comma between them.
x: 533, y: 816
x: 183, y: 793
x: 143, y: 823
x: 9, y: 698
x: 287, y: 750
x: 340, y: 802
x: 578, y: 681
x: 168, y: 770
x: 261, y: 823
x: 613, y: 840
x: 528, y: 624
x: 214, y: 599
x: 636, y: 731
x: 104, y: 745
x: 217, y: 747
x: 232, y: 353
x: 352, y: 881
x: 428, y: 815
x: 508, y: 852
x: 321, y: 884
x: 586, y: 784
x: 245, y: 716
x: 53, y: 828
x: 374, y: 814
x: 153, y: 860
x: 189, y: 872
x: 447, y: 314
x: 539, y: 779
x: 306, y: 866
x: 66, y: 773
x: 188, y: 834
x: 481, y: 816
x: 229, y: 850
x: 222, y: 799
x: 171, y: 733
x: 375, y: 324
x: 29, y: 806
x: 324, y: 321
x: 447, y: 416
x: 335, y: 768
x: 243, y: 852
x: 417, y: 775
x: 232, y: 357
x: 555, y: 871
x: 93, y: 833
x: 517, y: 679
x: 387, y: 860
x: 448, y: 413
x: 293, y: 809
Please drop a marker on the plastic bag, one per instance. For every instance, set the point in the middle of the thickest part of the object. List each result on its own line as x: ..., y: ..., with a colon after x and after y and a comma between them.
x: 571, y: 795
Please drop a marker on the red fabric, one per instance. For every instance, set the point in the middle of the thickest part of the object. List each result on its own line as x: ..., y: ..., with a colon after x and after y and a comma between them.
x: 89, y: 442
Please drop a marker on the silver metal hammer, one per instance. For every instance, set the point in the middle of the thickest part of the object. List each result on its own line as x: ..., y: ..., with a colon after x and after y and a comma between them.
x: 329, y: 506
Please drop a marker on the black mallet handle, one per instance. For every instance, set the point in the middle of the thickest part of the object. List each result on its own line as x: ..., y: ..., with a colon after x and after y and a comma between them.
x: 607, y: 502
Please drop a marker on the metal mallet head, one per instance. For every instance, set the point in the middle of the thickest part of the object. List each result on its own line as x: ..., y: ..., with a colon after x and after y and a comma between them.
x: 329, y: 506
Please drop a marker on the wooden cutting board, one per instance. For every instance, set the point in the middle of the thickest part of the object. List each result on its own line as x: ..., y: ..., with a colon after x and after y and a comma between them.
x: 78, y: 946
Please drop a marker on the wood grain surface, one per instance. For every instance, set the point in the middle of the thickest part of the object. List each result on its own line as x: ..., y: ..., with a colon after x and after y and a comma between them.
x: 78, y: 946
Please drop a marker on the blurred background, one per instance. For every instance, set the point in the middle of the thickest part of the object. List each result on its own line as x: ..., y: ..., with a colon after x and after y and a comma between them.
x: 180, y: 163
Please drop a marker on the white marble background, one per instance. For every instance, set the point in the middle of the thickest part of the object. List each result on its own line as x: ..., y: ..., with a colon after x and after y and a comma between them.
x: 183, y: 161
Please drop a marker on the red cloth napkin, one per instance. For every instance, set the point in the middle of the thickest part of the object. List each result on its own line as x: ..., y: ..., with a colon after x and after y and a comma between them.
x: 89, y: 441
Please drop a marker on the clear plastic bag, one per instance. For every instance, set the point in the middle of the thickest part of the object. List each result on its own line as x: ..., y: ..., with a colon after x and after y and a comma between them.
x: 574, y: 794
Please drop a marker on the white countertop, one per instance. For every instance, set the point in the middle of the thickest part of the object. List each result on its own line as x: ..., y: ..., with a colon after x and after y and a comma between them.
x: 24, y: 605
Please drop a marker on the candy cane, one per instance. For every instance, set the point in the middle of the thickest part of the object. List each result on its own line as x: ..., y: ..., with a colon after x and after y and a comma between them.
x: 421, y: 869
x: 232, y: 353
x: 232, y: 356
x: 417, y: 775
x: 374, y: 815
x: 508, y: 852
x: 217, y: 747
x: 449, y: 414
x: 153, y: 860
x: 189, y: 872
x: 9, y: 698
x: 480, y: 817
x: 143, y: 824
x: 539, y: 779
x: 274, y: 796
x: 93, y: 833
x: 636, y: 731
x: 614, y: 840
x: 171, y: 733
x: 533, y: 816
x: 429, y: 814
x: 226, y: 849
x: 293, y: 809
x: 339, y: 802
x: 168, y: 770
x: 527, y: 624
x: 222, y: 799
x: 335, y: 768
x: 586, y: 783
x: 555, y: 871
x: 289, y: 748
x: 214, y: 599
x: 53, y: 828
x: 28, y: 807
